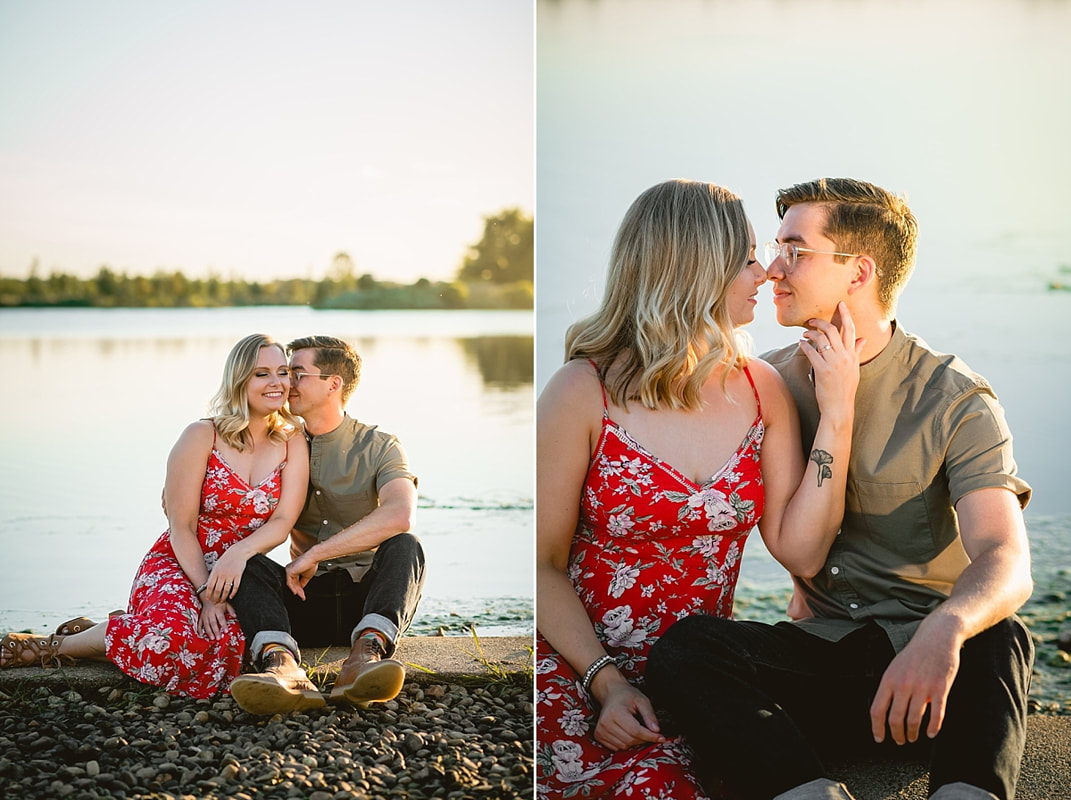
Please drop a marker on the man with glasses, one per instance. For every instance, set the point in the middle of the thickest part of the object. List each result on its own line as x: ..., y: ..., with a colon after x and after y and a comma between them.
x: 906, y: 631
x: 356, y: 573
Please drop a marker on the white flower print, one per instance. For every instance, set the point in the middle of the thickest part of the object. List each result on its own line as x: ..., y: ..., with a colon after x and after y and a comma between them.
x: 157, y: 640
x: 620, y: 524
x: 545, y: 665
x: 547, y: 696
x: 715, y: 505
x: 572, y: 722
x: 706, y: 546
x: 261, y: 502
x: 620, y: 630
x: 723, y: 522
x: 632, y: 780
x: 567, y: 763
x: 624, y: 578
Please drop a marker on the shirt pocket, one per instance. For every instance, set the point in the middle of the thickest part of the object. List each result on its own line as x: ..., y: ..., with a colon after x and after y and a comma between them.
x: 896, y: 518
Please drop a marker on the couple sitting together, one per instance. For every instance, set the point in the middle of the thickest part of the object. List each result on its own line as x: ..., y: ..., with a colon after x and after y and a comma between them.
x: 878, y: 471
x: 206, y: 596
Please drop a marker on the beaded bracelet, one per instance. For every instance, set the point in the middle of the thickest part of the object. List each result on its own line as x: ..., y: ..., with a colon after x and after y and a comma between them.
x: 592, y: 671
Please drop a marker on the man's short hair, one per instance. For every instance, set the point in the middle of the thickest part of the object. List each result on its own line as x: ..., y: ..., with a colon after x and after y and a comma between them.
x: 332, y: 357
x: 864, y: 218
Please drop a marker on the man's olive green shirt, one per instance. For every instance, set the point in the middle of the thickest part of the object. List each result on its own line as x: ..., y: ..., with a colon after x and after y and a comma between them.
x: 927, y: 431
x: 348, y: 467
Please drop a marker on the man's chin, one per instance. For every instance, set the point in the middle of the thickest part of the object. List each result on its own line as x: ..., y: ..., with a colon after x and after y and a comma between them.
x: 784, y: 318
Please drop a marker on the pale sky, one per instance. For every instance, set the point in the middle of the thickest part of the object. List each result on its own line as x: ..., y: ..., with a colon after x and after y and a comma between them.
x: 261, y: 138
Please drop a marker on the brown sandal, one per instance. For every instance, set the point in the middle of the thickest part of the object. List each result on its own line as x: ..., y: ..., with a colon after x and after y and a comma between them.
x: 79, y: 624
x: 76, y: 625
x: 43, y: 649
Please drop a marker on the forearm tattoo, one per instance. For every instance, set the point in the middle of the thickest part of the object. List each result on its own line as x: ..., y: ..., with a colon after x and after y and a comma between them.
x: 823, y: 460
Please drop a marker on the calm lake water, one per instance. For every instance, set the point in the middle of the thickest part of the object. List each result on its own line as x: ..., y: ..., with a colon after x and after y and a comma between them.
x: 102, y: 395
x: 762, y: 94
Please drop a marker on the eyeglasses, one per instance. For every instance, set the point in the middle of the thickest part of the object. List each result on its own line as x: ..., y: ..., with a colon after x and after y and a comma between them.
x: 789, y: 252
x: 296, y: 376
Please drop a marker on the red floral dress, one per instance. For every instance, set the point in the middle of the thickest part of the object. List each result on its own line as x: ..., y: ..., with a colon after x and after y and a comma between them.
x: 156, y: 640
x: 651, y: 547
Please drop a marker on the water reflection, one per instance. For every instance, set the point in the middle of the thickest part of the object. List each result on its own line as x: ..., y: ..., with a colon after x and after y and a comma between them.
x: 504, y: 362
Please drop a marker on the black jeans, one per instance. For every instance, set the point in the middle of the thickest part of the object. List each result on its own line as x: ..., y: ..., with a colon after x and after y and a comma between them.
x: 761, y: 705
x: 336, y: 607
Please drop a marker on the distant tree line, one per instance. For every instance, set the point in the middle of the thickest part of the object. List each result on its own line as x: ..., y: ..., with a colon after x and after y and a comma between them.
x: 496, y: 272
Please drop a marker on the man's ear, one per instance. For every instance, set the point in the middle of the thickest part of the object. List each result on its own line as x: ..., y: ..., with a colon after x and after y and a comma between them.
x: 865, y: 272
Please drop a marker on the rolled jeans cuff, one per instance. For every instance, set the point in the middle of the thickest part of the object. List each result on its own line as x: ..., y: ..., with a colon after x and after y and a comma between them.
x: 380, y: 624
x: 264, y: 638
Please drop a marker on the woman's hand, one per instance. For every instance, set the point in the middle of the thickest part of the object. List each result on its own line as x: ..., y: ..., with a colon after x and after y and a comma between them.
x: 213, y: 618
x: 627, y: 718
x: 834, y: 356
x: 226, y: 577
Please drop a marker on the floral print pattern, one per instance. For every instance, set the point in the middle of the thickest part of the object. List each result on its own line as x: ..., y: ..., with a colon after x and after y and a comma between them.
x: 651, y: 547
x: 156, y: 640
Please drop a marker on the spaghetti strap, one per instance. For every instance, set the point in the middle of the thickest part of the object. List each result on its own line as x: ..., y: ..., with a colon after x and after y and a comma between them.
x: 753, y: 388
x: 595, y: 367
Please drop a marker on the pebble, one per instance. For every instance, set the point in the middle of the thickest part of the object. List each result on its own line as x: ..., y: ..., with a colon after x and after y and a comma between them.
x: 433, y: 740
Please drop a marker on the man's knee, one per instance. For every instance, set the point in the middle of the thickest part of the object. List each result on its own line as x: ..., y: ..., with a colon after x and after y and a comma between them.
x: 1007, y: 642
x: 403, y: 546
x: 262, y: 569
x: 684, y: 642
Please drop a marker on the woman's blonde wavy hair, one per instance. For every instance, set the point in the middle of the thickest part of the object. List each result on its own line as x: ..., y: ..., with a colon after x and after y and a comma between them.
x: 229, y: 408
x: 663, y: 325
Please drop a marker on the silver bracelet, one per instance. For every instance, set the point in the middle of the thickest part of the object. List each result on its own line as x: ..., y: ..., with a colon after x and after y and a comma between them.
x: 592, y: 671
x: 201, y: 588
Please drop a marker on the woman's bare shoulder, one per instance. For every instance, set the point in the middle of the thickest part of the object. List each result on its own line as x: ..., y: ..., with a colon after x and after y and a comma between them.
x: 575, y: 389
x: 772, y: 389
x: 198, y: 435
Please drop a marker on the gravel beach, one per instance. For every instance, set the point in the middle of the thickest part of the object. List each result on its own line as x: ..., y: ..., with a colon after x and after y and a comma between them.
x: 445, y: 740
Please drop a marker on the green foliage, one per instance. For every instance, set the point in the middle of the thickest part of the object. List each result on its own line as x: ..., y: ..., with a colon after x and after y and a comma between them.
x: 109, y: 289
x: 496, y: 273
x: 505, y: 254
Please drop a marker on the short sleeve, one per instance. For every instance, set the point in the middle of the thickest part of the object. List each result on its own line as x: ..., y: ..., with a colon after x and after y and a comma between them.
x: 979, y: 453
x: 393, y: 464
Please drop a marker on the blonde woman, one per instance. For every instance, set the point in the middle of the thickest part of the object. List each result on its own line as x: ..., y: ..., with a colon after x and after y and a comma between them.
x: 235, y: 484
x: 660, y: 446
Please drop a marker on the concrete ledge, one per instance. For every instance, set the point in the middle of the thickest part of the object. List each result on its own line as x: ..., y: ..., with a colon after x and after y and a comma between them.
x: 426, y: 658
x: 1046, y: 768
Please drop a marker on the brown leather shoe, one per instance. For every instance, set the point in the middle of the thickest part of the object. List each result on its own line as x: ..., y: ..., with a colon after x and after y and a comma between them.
x: 282, y: 687
x: 367, y: 677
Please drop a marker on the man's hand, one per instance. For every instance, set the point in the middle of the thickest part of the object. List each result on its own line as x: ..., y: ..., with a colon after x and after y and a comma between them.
x: 920, y: 677
x: 299, y: 572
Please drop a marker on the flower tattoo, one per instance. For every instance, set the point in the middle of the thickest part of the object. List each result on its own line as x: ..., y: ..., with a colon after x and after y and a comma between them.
x: 823, y: 460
